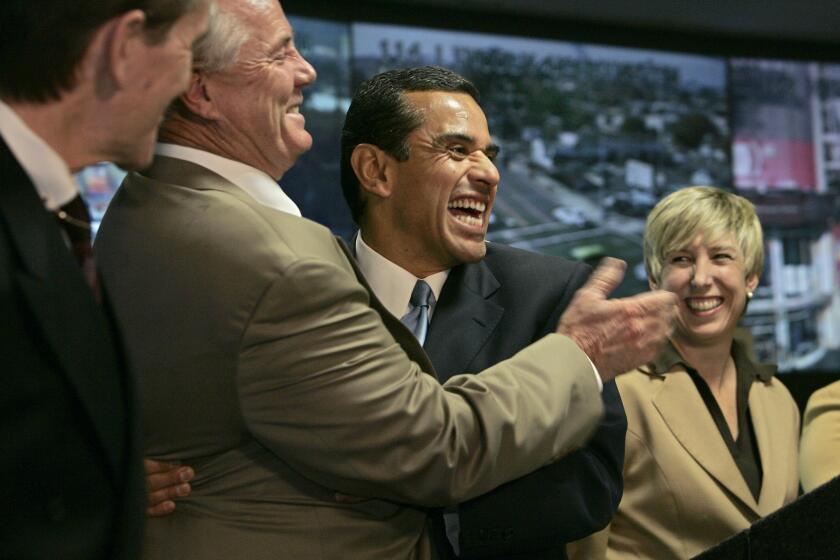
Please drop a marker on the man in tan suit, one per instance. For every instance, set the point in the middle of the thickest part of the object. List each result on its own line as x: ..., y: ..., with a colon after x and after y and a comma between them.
x: 263, y: 364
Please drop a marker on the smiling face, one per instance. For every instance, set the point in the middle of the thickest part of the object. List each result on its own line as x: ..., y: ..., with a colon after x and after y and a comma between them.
x: 710, y: 279
x: 258, y: 99
x: 441, y: 196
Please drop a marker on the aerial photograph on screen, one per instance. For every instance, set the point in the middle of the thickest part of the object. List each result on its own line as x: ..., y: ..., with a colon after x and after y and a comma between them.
x: 97, y: 184
x: 593, y: 136
x: 786, y: 158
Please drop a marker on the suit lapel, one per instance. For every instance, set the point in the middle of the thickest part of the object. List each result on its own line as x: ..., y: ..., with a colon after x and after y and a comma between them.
x: 685, y: 414
x: 464, y: 318
x: 404, y: 337
x: 771, y: 450
x: 62, y: 305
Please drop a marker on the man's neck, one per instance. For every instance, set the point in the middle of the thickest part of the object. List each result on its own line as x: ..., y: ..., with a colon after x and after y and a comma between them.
x: 401, y: 254
x: 211, y: 138
x: 191, y: 137
x: 392, y: 283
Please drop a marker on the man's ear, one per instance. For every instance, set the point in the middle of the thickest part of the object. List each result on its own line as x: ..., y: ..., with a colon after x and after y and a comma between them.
x: 110, y: 62
x: 372, y: 167
x: 126, y: 48
x: 197, y: 98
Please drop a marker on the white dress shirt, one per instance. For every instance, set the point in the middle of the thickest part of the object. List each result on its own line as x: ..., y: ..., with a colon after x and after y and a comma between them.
x: 256, y: 183
x: 391, y: 283
x: 48, y: 172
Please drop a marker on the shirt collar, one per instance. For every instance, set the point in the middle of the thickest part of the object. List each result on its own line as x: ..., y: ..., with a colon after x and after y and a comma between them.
x: 669, y: 357
x: 391, y: 283
x: 48, y: 172
x: 256, y: 183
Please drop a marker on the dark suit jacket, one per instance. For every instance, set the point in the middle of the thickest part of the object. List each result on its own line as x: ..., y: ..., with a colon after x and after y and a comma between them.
x: 487, y: 312
x: 70, y: 474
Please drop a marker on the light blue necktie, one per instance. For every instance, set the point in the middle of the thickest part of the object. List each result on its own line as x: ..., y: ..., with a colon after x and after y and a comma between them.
x: 417, y: 319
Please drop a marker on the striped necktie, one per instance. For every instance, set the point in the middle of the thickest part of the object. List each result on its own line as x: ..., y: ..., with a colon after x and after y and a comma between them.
x: 74, y: 219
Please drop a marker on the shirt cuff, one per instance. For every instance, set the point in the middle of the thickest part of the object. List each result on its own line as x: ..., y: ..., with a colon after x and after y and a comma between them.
x: 597, y: 376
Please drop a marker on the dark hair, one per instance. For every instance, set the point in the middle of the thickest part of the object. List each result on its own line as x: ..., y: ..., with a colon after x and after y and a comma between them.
x: 43, y: 41
x: 380, y: 115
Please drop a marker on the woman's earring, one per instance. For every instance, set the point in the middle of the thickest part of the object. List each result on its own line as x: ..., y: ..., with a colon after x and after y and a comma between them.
x: 749, y: 295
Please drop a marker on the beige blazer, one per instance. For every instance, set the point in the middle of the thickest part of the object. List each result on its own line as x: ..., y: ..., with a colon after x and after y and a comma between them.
x: 262, y: 364
x: 819, y: 453
x: 683, y: 492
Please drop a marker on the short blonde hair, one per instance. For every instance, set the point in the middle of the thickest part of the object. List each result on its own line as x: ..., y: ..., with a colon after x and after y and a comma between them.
x: 679, y: 217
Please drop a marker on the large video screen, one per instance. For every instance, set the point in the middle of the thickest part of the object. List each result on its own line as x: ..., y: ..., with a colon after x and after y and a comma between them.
x: 593, y: 136
x: 785, y: 149
x: 98, y: 183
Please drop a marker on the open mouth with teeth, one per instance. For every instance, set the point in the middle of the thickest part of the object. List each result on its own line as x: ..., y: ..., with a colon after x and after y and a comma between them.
x: 468, y: 211
x: 703, y: 305
x: 292, y: 108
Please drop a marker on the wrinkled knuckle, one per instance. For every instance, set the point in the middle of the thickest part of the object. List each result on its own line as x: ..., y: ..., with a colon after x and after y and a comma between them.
x: 634, y: 330
x: 634, y: 311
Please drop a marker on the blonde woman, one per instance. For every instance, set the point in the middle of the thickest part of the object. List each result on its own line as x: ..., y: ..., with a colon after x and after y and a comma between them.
x: 712, y: 436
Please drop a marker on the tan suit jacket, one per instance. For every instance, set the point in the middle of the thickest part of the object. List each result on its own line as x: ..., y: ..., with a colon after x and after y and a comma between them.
x: 262, y: 364
x: 683, y: 492
x: 819, y: 454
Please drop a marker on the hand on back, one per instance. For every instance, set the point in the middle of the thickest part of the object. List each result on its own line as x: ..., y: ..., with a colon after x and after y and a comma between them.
x: 164, y: 483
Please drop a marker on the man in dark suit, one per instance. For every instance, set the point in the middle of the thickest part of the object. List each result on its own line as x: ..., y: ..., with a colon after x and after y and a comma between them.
x: 418, y: 220
x: 82, y: 81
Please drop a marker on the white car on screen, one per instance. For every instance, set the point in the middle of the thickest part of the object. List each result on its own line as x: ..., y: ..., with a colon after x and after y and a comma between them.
x: 569, y: 216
